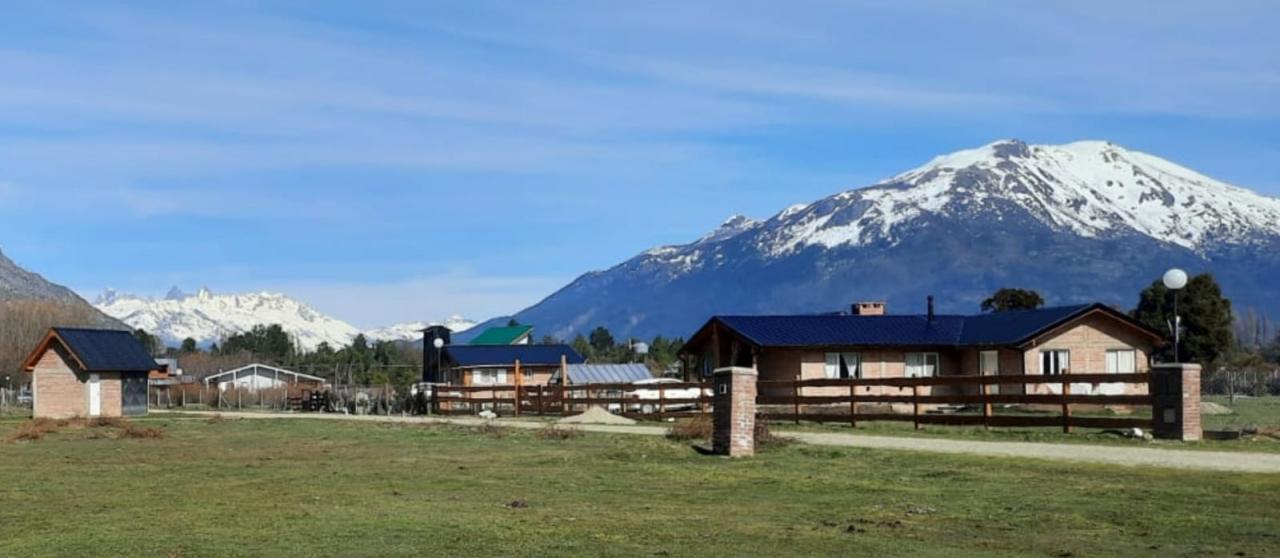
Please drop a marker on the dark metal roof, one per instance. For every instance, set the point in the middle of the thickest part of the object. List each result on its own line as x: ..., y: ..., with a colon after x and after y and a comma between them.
x: 607, y: 373
x: 106, y: 349
x: 506, y: 355
x: 997, y: 328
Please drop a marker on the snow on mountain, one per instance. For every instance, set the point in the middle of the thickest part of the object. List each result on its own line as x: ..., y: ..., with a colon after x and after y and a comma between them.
x: 208, y: 317
x: 1084, y: 221
x: 1091, y: 188
x: 413, y: 330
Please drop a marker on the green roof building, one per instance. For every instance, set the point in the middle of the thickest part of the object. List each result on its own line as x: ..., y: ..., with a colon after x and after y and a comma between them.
x: 508, y: 335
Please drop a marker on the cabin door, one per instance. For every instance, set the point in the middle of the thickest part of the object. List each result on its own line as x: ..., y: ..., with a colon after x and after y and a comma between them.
x: 95, y: 395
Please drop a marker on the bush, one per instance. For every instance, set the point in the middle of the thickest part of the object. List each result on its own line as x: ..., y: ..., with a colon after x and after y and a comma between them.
x: 766, y: 439
x: 131, y: 430
x: 697, y: 428
x: 108, y: 422
x: 553, y: 432
x: 35, y: 429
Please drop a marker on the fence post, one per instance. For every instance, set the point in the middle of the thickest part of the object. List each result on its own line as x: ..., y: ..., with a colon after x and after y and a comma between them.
x: 517, y: 402
x: 1175, y: 401
x: 915, y: 405
x: 795, y: 398
x: 1066, y: 407
x: 986, y: 403
x: 734, y: 414
x: 853, y: 405
x: 662, y: 402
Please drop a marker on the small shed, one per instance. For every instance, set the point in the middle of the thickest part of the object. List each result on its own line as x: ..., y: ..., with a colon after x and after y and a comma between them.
x: 254, y: 377
x: 80, y: 372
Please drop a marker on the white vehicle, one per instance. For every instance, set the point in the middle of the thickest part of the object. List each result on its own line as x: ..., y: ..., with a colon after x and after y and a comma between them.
x: 646, y: 395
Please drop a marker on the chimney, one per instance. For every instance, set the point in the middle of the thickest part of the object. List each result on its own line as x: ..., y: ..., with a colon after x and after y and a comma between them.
x: 868, y: 308
x: 930, y: 308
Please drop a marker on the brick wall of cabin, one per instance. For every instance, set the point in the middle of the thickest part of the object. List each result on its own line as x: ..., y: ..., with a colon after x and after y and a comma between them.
x: 63, y: 392
x: 1088, y: 341
x: 792, y: 364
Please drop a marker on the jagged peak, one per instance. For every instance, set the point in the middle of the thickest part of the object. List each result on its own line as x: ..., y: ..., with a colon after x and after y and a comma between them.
x: 175, y: 294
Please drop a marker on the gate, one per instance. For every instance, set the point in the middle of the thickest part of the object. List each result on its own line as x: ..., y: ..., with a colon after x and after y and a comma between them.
x: 134, y: 395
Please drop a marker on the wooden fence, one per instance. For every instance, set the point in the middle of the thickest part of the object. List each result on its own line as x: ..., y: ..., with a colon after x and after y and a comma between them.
x: 646, y: 401
x: 785, y: 400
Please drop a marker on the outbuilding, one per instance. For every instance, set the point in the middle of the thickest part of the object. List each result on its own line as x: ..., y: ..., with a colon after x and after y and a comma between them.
x: 254, y: 377
x: 80, y: 372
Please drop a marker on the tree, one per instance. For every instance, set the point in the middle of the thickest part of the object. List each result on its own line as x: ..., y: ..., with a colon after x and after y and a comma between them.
x: 189, y: 346
x: 149, y: 342
x: 1206, y: 319
x: 601, y: 340
x: 512, y: 323
x: 1007, y: 299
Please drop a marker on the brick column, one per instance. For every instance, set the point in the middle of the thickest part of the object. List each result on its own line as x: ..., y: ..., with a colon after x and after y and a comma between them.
x: 1175, y: 401
x: 734, y: 415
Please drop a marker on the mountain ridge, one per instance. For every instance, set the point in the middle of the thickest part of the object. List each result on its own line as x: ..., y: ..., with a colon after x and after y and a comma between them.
x: 1081, y: 221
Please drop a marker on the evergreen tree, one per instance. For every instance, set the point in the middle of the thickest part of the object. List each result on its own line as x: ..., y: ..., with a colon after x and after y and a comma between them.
x: 149, y: 342
x: 1206, y: 319
x: 1012, y: 299
x: 189, y: 346
x: 601, y: 340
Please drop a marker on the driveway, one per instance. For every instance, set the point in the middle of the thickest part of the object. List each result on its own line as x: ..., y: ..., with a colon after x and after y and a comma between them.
x: 1243, y: 462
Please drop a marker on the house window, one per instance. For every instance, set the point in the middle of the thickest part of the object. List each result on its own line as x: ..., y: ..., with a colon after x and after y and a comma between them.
x: 843, y: 366
x: 528, y: 374
x: 1122, y: 361
x: 922, y: 365
x: 989, y: 363
x: 491, y: 377
x: 1055, y: 361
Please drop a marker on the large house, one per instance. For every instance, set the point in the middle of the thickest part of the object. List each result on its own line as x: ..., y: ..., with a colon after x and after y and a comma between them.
x: 869, y: 343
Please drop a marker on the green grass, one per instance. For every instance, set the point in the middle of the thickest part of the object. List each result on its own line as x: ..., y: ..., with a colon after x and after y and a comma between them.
x: 1260, y: 411
x: 332, y: 488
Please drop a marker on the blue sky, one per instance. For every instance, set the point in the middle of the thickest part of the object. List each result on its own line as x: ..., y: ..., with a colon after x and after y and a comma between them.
x: 410, y: 160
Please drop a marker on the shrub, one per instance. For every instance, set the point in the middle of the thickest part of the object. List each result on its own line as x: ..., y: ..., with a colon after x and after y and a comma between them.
x: 553, y: 432
x: 697, y: 428
x: 766, y: 438
x: 108, y: 422
x: 35, y: 429
x: 131, y: 430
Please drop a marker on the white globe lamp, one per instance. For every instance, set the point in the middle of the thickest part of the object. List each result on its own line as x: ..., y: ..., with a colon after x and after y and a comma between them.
x: 438, y: 343
x: 1174, y: 280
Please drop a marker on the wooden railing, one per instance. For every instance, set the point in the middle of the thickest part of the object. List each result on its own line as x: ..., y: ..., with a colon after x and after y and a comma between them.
x: 786, y: 400
x: 669, y: 400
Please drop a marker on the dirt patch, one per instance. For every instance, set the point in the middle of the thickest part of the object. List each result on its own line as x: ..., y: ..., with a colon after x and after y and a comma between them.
x: 595, y: 415
x: 1211, y: 408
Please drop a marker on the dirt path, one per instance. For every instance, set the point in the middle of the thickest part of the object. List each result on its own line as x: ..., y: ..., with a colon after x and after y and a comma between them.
x: 1146, y: 457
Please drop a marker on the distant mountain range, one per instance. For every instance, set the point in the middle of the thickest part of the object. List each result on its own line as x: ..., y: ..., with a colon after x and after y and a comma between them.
x: 208, y: 317
x: 1082, y: 221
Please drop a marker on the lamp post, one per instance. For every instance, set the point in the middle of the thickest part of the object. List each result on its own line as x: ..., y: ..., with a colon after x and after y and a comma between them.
x: 1174, y: 280
x: 438, y: 343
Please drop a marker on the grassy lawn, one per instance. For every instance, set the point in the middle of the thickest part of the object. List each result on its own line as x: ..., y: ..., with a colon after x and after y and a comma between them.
x: 1247, y: 412
x: 331, y: 488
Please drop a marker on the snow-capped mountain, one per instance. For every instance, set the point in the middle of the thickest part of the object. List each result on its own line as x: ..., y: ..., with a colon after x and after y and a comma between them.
x: 411, y: 331
x: 208, y: 317
x: 1087, y: 220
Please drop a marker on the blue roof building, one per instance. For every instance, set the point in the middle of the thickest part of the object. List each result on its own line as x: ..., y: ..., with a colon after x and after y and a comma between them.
x: 1084, y: 338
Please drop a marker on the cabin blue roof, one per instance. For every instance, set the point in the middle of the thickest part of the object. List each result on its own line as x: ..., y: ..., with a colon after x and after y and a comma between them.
x: 507, y: 355
x: 106, y: 350
x: 997, y: 328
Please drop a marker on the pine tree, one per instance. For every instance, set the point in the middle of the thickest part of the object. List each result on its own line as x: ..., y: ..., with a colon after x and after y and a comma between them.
x: 1206, y: 319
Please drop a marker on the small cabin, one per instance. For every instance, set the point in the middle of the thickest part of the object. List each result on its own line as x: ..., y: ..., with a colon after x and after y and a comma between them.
x: 80, y: 372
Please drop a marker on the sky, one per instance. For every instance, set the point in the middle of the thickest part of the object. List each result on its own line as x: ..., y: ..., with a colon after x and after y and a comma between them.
x: 397, y: 161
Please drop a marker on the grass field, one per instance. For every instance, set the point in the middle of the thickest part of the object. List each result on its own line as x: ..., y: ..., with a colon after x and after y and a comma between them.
x: 1263, y: 412
x: 329, y: 488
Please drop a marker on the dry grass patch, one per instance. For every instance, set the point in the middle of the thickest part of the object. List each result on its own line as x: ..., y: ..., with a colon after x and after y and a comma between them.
x: 553, y: 432
x: 697, y: 428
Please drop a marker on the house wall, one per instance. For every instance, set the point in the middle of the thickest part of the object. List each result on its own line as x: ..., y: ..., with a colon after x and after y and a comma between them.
x: 1088, y: 341
x: 785, y: 365
x: 63, y: 392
